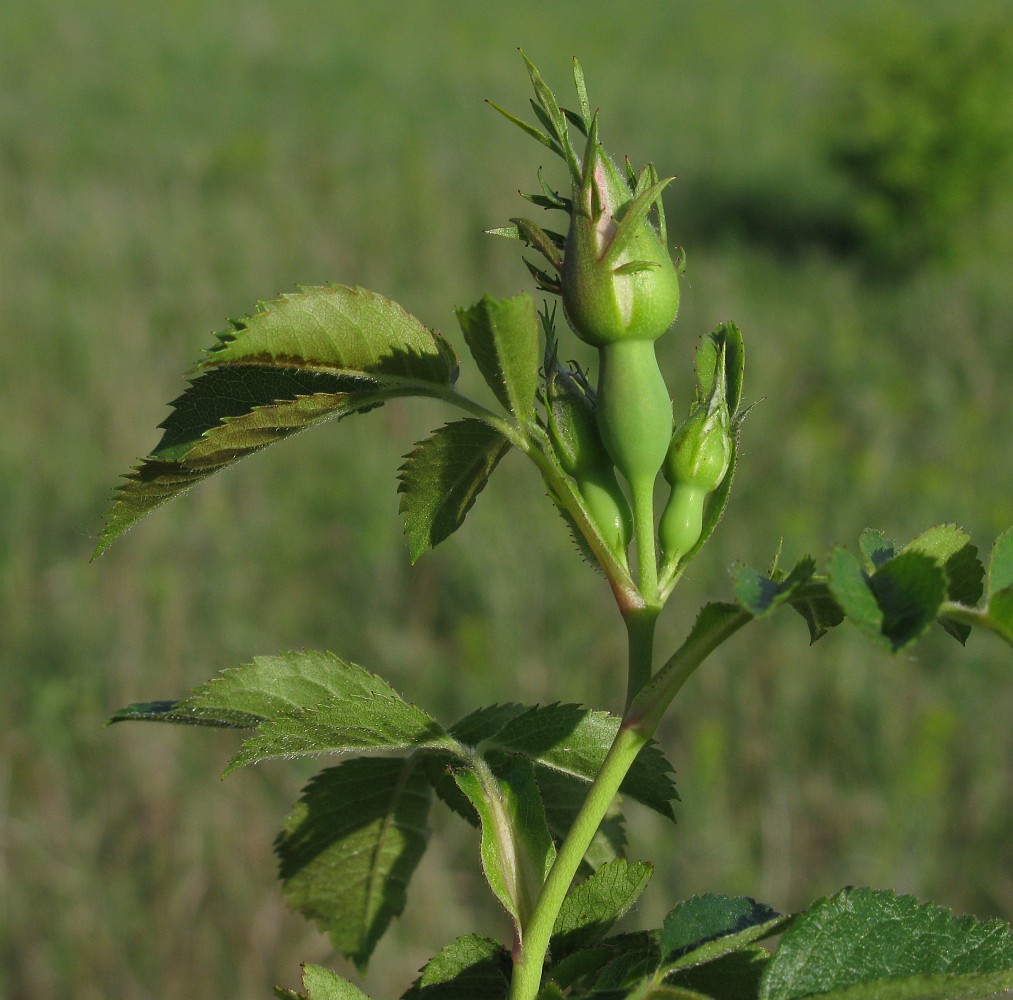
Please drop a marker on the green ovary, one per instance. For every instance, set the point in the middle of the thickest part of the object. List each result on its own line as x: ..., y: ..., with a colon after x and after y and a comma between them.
x: 634, y: 410
x: 681, y: 521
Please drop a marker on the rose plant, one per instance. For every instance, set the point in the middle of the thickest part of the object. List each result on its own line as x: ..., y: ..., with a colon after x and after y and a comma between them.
x: 541, y: 783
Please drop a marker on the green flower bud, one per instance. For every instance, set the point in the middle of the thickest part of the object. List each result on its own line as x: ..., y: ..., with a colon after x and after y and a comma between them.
x: 697, y: 461
x: 701, y: 448
x: 617, y: 280
x: 570, y: 405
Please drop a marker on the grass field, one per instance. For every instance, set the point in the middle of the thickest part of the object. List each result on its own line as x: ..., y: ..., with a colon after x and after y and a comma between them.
x: 163, y: 167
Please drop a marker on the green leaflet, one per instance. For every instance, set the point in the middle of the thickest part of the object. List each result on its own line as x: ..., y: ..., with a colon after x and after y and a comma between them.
x: 244, y: 697
x: 303, y: 704
x: 322, y: 984
x: 759, y: 594
x: 322, y: 352
x: 348, y: 724
x: 898, y: 602
x: 1000, y: 564
x: 592, y: 907
x: 503, y: 337
x: 951, y: 547
x: 704, y: 928
x: 440, y: 480
x: 348, y: 849
x: 468, y: 968
x: 862, y: 937
x: 338, y: 329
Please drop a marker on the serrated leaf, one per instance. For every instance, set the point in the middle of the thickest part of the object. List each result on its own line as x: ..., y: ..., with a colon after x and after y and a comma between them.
x: 818, y: 609
x: 862, y: 936
x: 759, y: 593
x: 349, y: 724
x: 636, y: 955
x: 322, y: 984
x: 940, y: 542
x: 909, y: 590
x: 951, y: 547
x: 942, y: 987
x: 876, y: 548
x: 334, y: 328
x: 850, y: 588
x: 479, y: 725
x: 517, y: 850
x: 702, y: 919
x: 1000, y: 564
x: 441, y: 478
x: 732, y: 976
x: 895, y: 604
x: 503, y: 337
x: 466, y: 969
x: 1000, y: 613
x: 701, y: 928
x: 244, y: 697
x: 591, y: 908
x: 575, y: 740
x: 210, y: 431
x: 348, y: 850
x: 320, y: 353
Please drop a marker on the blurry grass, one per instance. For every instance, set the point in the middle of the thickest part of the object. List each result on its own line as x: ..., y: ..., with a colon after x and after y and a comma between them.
x: 163, y: 167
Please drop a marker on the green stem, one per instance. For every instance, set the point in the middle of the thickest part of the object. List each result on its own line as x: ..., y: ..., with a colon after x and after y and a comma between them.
x: 642, y: 719
x: 527, y: 974
x: 640, y: 633
x: 643, y: 530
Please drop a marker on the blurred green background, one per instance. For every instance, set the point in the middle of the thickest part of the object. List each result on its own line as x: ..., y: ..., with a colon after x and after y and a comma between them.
x: 844, y: 194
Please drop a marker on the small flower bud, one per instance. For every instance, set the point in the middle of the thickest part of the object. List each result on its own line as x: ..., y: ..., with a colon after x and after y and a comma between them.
x: 570, y: 406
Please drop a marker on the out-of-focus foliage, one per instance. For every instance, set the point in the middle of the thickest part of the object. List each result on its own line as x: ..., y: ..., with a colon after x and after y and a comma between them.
x: 922, y: 131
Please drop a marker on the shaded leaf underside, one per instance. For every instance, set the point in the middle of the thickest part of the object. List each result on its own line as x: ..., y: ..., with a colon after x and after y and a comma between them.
x: 440, y: 480
x: 348, y: 849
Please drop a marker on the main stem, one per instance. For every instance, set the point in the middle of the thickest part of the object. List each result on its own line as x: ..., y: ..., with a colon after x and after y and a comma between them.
x: 639, y: 725
x: 628, y: 743
x: 527, y: 975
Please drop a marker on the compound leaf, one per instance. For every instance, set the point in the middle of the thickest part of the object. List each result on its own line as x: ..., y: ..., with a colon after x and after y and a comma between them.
x: 441, y: 478
x: 348, y: 849
x: 861, y: 938
x: 319, y: 353
x: 502, y: 335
